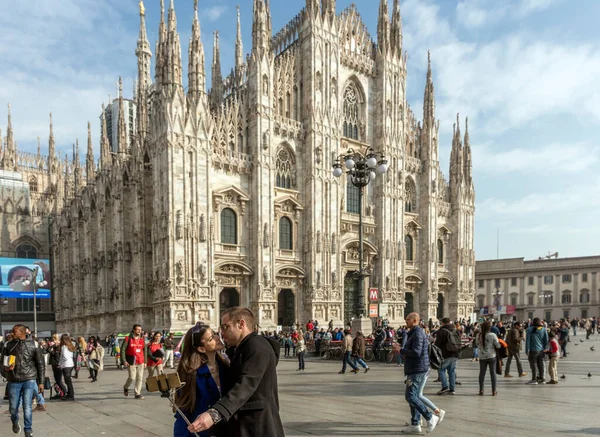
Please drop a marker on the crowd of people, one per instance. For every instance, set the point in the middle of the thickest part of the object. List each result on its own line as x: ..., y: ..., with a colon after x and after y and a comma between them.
x: 219, y: 384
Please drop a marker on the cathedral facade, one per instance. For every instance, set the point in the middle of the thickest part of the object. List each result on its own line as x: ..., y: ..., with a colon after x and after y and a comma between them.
x: 227, y: 197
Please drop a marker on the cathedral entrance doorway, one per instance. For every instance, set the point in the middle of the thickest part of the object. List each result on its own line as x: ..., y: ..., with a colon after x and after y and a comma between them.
x: 228, y: 298
x: 286, y: 308
x: 440, y: 308
x: 409, y: 308
x: 350, y: 293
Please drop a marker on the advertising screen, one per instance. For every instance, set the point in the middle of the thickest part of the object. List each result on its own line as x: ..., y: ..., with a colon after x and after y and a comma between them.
x: 16, y: 278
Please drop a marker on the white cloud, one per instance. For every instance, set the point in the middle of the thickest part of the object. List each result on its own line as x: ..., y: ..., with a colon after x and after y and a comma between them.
x: 477, y: 13
x: 214, y: 12
x: 535, y: 162
x: 527, y: 7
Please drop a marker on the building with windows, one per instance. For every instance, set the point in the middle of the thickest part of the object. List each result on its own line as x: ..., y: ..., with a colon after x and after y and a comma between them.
x: 547, y: 288
x: 110, y: 115
x: 227, y: 197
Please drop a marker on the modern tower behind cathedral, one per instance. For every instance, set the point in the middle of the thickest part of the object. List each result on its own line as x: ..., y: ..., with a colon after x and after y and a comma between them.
x: 226, y: 197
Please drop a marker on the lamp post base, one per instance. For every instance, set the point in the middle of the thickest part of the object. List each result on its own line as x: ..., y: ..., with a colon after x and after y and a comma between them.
x: 362, y: 324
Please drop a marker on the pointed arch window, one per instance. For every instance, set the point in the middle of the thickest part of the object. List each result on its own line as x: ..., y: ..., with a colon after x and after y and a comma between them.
x: 408, y: 243
x: 228, y: 226
x: 440, y: 249
x: 410, y: 196
x: 285, y: 234
x: 351, y: 111
x: 285, y: 169
x: 26, y: 251
x: 33, y: 184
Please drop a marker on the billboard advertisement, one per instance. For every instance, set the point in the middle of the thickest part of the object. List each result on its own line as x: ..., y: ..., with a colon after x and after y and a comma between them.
x: 16, y: 278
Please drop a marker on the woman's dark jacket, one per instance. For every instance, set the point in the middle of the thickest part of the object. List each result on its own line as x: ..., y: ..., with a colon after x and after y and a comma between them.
x: 207, y: 394
x: 250, y: 402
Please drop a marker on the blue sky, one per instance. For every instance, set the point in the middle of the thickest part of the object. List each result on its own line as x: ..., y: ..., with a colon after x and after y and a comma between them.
x: 525, y: 72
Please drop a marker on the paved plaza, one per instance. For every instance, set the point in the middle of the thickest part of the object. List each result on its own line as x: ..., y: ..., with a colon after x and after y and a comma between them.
x: 319, y: 402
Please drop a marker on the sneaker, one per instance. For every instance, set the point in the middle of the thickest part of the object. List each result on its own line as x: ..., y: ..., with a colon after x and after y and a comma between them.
x: 508, y: 375
x: 431, y: 424
x: 366, y: 369
x: 441, y: 415
x: 28, y: 433
x: 532, y: 382
x: 16, y: 427
x: 412, y: 429
x: 443, y: 391
x: 523, y: 374
x: 341, y: 372
x: 355, y: 371
x: 543, y: 381
x: 139, y: 397
x: 40, y: 408
x: 451, y: 392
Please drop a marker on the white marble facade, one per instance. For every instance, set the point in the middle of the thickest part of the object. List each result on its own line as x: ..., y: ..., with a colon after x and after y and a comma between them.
x: 227, y: 197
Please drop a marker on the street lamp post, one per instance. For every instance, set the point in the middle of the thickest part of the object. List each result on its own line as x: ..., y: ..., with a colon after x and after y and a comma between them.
x: 362, y: 168
x: 35, y: 285
x: 497, y: 295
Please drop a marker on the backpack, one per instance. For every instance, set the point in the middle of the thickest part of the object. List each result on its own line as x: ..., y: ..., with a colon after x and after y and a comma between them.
x: 454, y: 342
x: 435, y: 356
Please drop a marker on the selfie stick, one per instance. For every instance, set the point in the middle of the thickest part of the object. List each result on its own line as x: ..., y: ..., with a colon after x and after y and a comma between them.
x: 172, y: 399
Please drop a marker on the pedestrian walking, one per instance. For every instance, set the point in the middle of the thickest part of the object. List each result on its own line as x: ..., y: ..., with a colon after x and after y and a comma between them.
x: 156, y: 353
x: 416, y: 370
x: 203, y: 370
x: 449, y: 341
x: 169, y: 346
x: 488, y: 343
x: 300, y: 346
x: 23, y: 367
x: 358, y: 351
x: 474, y: 344
x: 554, y: 353
x: 347, y: 349
x: 250, y: 405
x: 68, y: 351
x: 536, y: 342
x: 133, y: 356
x: 94, y: 353
x: 514, y: 339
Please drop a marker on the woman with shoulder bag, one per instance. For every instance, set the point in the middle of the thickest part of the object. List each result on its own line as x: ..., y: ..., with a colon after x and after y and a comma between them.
x: 300, y: 347
x: 155, y: 356
x: 203, y: 370
x: 488, y: 343
x: 94, y: 354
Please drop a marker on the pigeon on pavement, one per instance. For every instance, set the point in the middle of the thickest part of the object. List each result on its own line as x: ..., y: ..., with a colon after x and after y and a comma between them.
x: 563, y: 377
x: 589, y: 375
x: 581, y: 340
x: 592, y: 349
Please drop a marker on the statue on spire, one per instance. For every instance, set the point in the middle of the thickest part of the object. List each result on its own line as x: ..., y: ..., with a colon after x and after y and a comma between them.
x: 142, y: 8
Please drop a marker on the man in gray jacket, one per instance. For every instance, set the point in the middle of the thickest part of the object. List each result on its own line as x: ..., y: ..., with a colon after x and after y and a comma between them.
x: 536, y: 343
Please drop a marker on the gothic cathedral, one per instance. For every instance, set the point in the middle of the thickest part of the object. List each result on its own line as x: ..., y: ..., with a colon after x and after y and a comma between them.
x: 227, y: 197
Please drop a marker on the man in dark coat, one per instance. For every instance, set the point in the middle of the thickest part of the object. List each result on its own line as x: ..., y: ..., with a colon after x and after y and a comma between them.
x: 250, y: 403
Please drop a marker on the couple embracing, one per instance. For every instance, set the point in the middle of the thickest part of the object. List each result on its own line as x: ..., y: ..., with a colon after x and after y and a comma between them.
x: 235, y: 397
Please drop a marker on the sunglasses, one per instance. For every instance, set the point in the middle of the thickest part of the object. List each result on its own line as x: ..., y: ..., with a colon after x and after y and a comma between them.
x: 197, y: 333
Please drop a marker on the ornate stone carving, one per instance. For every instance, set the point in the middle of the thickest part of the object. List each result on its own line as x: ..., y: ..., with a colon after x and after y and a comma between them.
x: 202, y: 272
x: 179, y: 225
x: 333, y: 243
x: 266, y: 235
x: 179, y: 271
x: 128, y: 252
x: 202, y: 228
x: 318, y: 241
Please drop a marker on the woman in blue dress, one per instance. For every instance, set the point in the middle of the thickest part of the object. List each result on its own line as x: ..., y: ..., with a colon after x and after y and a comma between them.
x: 203, y: 369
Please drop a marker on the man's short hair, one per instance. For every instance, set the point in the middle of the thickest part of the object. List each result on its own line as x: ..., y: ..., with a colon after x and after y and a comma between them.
x: 445, y: 320
x: 136, y: 326
x: 236, y: 314
x: 19, y: 327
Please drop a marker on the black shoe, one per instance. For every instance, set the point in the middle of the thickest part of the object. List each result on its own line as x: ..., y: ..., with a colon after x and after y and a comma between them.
x: 16, y: 427
x: 366, y: 370
x: 341, y: 372
x: 28, y: 433
x: 443, y: 391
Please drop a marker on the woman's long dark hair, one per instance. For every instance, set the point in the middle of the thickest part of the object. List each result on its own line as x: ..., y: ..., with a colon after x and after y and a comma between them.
x: 485, y: 328
x: 191, y: 361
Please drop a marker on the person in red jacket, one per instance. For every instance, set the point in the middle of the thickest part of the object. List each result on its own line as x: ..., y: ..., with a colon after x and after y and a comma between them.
x: 156, y: 353
x: 133, y: 356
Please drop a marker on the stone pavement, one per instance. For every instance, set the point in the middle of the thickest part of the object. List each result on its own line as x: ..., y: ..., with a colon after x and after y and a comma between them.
x: 319, y: 402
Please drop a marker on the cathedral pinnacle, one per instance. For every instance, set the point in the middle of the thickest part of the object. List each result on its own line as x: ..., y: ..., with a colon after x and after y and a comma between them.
x: 383, y: 27
x: 239, y: 50
x: 396, y: 31
x: 51, y: 148
x: 122, y: 127
x: 216, y: 92
x: 196, y: 74
x: 105, y: 153
x: 261, y: 27
x: 89, y: 157
x: 172, y: 56
x: 143, y: 80
x: 429, y: 97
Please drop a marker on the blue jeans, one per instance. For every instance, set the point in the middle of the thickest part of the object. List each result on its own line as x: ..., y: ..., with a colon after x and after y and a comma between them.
x: 475, y: 352
x: 448, y: 365
x: 22, y: 392
x: 358, y: 361
x: 414, y: 386
x: 348, y: 360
